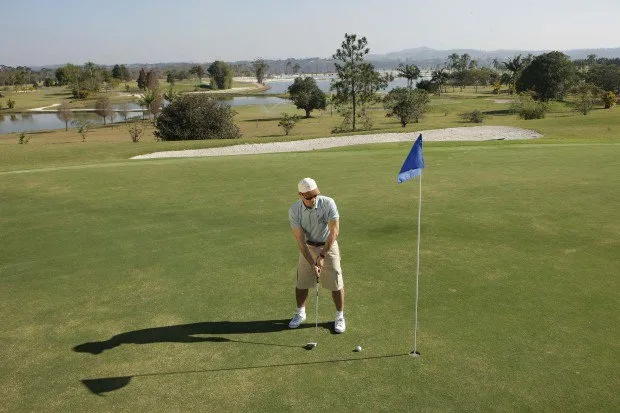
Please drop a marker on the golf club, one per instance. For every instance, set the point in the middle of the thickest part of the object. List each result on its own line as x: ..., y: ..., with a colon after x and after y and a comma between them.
x: 314, y: 343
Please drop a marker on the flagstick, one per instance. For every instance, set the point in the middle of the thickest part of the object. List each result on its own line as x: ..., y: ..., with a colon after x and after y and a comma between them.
x: 415, y: 352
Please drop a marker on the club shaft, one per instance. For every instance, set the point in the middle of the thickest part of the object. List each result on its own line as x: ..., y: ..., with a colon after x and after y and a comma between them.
x: 316, y: 313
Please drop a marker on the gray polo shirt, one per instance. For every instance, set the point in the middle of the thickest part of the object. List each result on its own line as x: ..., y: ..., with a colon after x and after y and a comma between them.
x: 314, y: 220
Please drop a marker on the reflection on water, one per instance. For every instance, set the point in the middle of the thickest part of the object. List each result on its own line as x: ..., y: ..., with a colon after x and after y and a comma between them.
x: 37, y: 121
x: 281, y: 86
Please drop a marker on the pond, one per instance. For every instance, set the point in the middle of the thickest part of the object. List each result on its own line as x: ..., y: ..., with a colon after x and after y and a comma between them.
x: 38, y: 121
x: 280, y: 86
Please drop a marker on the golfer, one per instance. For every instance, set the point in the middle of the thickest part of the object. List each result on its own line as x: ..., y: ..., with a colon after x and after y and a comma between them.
x: 315, y: 225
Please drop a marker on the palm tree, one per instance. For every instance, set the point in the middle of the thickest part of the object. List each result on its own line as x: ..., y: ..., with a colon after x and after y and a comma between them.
x: 409, y: 72
x: 453, y: 61
x: 514, y: 66
x: 440, y: 77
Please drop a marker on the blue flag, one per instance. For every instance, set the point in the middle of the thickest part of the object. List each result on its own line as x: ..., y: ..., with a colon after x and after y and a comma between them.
x: 413, y: 164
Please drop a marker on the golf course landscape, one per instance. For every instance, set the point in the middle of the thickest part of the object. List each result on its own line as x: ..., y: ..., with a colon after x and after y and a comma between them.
x: 167, y: 285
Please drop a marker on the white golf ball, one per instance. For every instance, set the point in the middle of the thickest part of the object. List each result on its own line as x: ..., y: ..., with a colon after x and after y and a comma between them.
x: 358, y: 348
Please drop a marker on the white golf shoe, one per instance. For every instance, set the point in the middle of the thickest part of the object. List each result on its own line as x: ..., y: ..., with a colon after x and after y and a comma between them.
x: 339, y: 325
x: 297, y: 320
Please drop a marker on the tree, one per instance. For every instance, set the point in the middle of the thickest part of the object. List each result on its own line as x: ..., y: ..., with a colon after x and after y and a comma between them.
x: 548, y: 75
x: 585, y: 95
x: 409, y: 72
x: 125, y: 74
x: 152, y: 101
x: 605, y: 76
x: 514, y: 66
x: 609, y: 99
x: 260, y: 69
x: 199, y: 71
x: 408, y: 105
x: 296, y: 68
x: 83, y: 127
x: 196, y: 116
x: 142, y: 79
x: 103, y: 108
x: 152, y: 80
x: 123, y: 111
x: 306, y: 95
x: 116, y: 72
x: 428, y: 86
x: 64, y: 113
x: 288, y: 122
x: 440, y: 77
x: 221, y: 75
x: 357, y: 81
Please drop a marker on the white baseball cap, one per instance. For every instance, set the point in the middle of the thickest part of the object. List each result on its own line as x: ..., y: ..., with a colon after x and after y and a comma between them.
x: 307, y: 185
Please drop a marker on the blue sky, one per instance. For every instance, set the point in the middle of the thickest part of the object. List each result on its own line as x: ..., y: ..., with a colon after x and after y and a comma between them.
x: 40, y: 32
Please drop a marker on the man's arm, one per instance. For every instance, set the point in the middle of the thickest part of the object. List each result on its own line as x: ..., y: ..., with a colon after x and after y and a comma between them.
x: 334, y: 230
x: 301, y: 243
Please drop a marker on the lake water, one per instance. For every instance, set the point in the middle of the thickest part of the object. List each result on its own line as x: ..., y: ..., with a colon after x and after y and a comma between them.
x: 281, y: 86
x: 38, y: 121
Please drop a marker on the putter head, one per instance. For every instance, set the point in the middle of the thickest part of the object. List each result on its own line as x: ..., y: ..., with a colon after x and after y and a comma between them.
x: 310, y: 345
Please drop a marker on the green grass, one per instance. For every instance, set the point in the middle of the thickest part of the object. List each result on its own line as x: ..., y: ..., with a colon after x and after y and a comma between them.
x: 177, y: 268
x: 518, y: 285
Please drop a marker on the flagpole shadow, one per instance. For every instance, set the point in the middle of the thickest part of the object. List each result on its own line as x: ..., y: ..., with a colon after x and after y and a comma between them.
x: 99, y: 386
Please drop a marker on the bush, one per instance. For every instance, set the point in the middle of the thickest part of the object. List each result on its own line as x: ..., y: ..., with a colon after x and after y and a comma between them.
x: 475, y: 116
x: 527, y: 108
x: 429, y: 86
x: 136, y: 129
x: 408, y: 105
x: 23, y: 139
x: 288, y: 122
x: 196, y: 117
x: 80, y: 93
x: 10, y: 103
x: 609, y: 99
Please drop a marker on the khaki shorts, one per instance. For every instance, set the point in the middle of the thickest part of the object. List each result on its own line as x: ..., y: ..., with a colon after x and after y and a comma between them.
x: 331, y: 275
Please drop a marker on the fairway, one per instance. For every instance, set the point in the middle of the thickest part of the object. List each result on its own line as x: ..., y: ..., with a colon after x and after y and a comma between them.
x: 167, y: 285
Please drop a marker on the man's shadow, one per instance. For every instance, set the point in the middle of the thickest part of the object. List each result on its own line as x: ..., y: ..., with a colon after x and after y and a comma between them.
x: 190, y: 333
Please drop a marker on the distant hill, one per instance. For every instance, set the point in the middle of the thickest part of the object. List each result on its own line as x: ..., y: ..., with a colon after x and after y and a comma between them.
x: 423, y: 57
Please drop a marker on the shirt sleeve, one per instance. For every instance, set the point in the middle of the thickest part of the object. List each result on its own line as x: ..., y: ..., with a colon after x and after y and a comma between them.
x: 293, y: 217
x: 332, y: 211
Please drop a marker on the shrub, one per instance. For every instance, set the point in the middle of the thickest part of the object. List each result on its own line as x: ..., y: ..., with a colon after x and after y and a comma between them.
x: 10, y: 103
x: 83, y: 127
x: 23, y: 139
x: 408, y: 105
x: 609, y: 99
x: 429, y: 86
x: 195, y: 117
x: 475, y: 116
x: 288, y: 122
x: 136, y: 129
x: 80, y: 93
x: 585, y: 95
x: 527, y: 108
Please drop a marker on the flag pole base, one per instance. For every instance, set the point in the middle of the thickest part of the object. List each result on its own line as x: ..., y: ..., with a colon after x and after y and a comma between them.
x: 414, y: 353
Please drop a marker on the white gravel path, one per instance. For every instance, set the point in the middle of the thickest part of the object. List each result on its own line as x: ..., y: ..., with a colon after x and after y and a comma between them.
x: 473, y: 133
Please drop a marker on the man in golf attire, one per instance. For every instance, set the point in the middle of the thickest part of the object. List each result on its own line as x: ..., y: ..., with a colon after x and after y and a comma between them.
x: 315, y: 225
